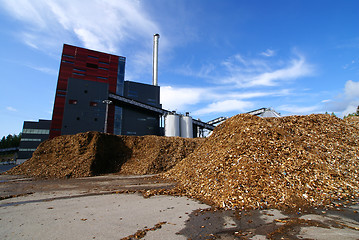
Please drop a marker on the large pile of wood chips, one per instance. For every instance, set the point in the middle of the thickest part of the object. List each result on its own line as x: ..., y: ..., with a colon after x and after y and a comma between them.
x: 94, y: 153
x: 252, y: 163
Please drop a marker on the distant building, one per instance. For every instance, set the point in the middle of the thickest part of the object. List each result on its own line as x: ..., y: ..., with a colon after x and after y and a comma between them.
x: 33, y: 133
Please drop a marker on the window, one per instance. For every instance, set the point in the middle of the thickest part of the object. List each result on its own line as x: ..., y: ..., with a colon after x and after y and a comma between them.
x: 103, y: 68
x: 73, y: 101
x: 78, y: 118
x: 27, y: 149
x: 151, y: 101
x: 91, y: 65
x: 132, y: 93
x: 79, y: 74
x: 93, y: 104
x: 92, y: 57
x: 65, y: 61
x: 69, y: 56
x: 85, y: 91
x: 80, y: 70
x: 30, y: 139
x: 102, y: 78
x: 103, y: 63
x: 36, y: 131
x: 141, y: 119
x: 95, y: 119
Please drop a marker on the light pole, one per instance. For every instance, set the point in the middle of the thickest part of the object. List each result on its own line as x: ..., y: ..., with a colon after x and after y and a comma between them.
x: 107, y: 102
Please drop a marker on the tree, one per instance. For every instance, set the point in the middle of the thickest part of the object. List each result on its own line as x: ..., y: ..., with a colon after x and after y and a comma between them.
x: 353, y: 114
x: 10, y: 141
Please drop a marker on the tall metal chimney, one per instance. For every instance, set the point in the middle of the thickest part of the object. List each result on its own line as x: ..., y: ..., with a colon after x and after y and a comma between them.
x: 155, y: 59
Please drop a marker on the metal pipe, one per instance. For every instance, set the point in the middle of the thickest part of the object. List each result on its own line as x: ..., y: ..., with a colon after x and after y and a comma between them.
x: 155, y: 59
x: 107, y: 102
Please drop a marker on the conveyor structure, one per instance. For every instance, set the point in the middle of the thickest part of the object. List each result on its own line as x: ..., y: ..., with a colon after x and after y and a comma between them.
x: 217, y: 120
x: 264, y: 112
x: 123, y: 101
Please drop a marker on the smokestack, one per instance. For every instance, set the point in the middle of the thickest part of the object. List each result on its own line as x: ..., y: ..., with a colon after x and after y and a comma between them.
x: 155, y: 59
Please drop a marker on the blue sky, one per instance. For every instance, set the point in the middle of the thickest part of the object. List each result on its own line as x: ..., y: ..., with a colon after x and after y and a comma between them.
x: 216, y: 58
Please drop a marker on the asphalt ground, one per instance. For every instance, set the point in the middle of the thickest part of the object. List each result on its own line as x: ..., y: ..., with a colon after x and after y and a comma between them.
x: 112, y: 207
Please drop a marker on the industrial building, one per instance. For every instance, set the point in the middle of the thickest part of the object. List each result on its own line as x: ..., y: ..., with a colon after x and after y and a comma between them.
x: 92, y: 95
x: 97, y: 70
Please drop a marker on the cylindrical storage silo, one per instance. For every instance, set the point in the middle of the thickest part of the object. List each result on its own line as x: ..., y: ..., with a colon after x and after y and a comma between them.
x: 172, y: 125
x: 186, y: 127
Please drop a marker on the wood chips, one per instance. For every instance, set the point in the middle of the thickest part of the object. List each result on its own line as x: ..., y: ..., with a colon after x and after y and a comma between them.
x: 94, y: 153
x: 290, y: 162
x: 247, y: 163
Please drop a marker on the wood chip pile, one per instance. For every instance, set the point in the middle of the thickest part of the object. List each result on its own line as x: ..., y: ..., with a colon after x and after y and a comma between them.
x: 290, y: 162
x: 354, y: 120
x: 154, y: 154
x: 94, y: 153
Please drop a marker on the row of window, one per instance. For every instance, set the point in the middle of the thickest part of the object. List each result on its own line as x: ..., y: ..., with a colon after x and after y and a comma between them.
x: 36, y: 131
x: 90, y: 56
x: 90, y: 65
x: 69, y: 56
x: 144, y: 119
x: 81, y: 74
x: 93, y: 65
x: 27, y: 149
x: 74, y: 102
x: 66, y: 55
x: 30, y: 140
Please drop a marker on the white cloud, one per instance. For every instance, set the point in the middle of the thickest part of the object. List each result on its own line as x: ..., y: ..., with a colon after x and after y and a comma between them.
x: 11, y: 109
x: 224, y: 107
x: 212, y: 100
x: 26, y: 11
x: 351, y: 108
x: 268, y: 53
x: 293, y: 109
x: 180, y: 98
x: 347, y: 101
x: 351, y: 89
x: 257, y: 94
x: 297, y: 68
x: 256, y: 72
x: 44, y: 69
x: 102, y: 25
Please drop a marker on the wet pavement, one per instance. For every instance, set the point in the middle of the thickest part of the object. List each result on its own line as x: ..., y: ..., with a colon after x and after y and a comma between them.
x: 108, y: 207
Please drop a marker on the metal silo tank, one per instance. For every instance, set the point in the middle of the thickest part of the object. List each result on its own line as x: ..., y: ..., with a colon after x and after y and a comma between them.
x: 186, y: 127
x: 172, y: 125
